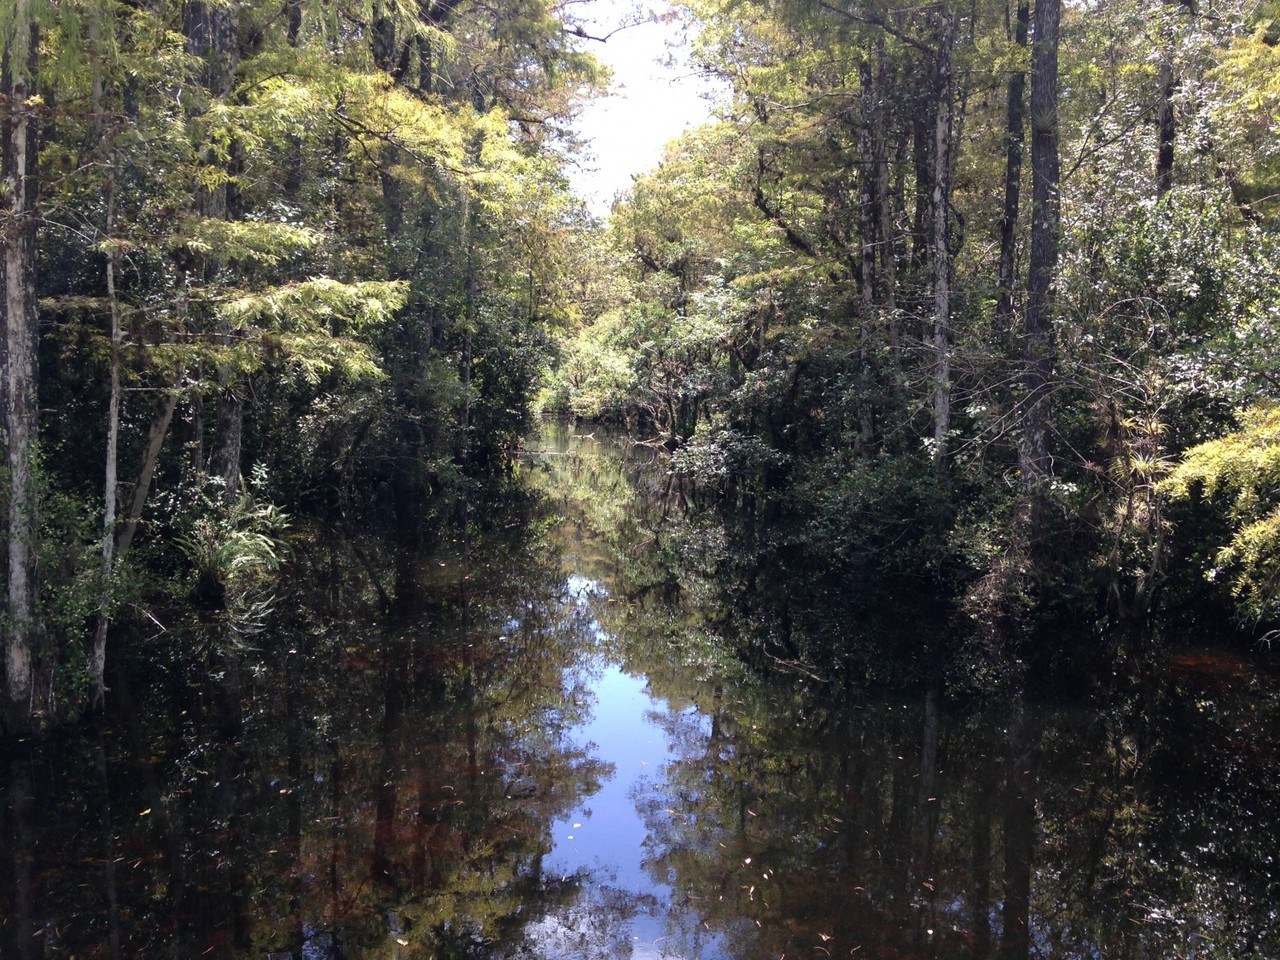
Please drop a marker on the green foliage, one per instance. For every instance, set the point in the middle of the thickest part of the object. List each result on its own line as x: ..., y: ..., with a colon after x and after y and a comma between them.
x: 339, y: 236
x: 234, y: 551
x: 1246, y: 81
x: 16, y: 19
x: 342, y: 238
x: 1240, y: 360
x: 229, y: 241
x: 307, y: 321
x: 791, y: 358
x: 1243, y: 468
x: 593, y: 377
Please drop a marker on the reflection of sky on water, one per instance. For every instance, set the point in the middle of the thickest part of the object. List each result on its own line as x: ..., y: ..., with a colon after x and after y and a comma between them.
x: 620, y: 910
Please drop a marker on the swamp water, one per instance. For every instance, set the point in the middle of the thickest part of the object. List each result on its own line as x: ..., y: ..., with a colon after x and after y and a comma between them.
x: 543, y: 752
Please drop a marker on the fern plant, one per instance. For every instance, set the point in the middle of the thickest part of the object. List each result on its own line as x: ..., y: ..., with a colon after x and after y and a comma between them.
x: 235, y: 551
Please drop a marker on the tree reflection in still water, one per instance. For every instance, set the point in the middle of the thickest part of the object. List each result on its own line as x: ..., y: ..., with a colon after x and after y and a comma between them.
x: 384, y: 772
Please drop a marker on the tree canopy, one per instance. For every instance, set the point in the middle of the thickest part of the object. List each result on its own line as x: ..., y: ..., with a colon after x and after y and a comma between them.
x: 980, y: 297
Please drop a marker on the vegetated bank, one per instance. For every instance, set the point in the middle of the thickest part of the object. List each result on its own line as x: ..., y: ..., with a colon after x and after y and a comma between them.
x: 969, y: 304
x: 972, y: 305
x: 269, y: 269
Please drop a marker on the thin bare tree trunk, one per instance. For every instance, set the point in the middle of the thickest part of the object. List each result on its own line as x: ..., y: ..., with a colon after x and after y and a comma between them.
x: 868, y: 222
x: 888, y: 241
x: 98, y: 655
x: 18, y: 160
x: 469, y: 299
x: 940, y: 249
x: 98, y: 658
x: 1166, y: 124
x: 210, y: 31
x: 150, y: 457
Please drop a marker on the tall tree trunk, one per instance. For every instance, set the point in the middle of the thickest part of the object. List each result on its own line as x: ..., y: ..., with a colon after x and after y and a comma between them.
x: 19, y: 163
x: 1166, y: 124
x: 293, y: 174
x: 210, y: 30
x: 868, y: 195
x: 868, y: 229
x: 98, y: 657
x: 1014, y: 137
x: 426, y: 65
x: 382, y: 39
x: 392, y: 191
x: 1033, y: 451
x: 293, y: 21
x: 890, y: 200
x: 939, y: 246
x: 923, y: 133
x: 467, y: 251
x: 228, y: 430
x: 383, y: 44
x: 150, y: 457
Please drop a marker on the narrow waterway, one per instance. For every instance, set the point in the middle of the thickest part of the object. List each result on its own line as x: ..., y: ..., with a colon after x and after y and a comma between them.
x: 539, y: 741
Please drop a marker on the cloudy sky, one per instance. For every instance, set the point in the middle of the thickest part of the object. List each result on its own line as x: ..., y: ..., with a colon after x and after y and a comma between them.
x: 656, y: 95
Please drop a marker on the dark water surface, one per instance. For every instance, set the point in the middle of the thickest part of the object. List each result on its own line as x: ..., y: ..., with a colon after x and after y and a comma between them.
x: 533, y: 744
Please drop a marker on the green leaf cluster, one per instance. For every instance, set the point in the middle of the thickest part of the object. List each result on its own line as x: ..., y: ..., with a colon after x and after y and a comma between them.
x: 1242, y: 467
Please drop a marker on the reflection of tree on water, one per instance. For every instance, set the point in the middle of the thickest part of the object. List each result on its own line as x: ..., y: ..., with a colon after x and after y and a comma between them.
x: 803, y: 819
x: 18, y: 798
x: 347, y: 795
x: 592, y: 924
x: 1042, y: 833
x: 462, y: 857
x: 349, y: 787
